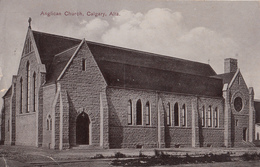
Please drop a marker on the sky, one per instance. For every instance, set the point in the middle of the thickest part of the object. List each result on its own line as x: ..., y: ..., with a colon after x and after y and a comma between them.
x: 202, y: 31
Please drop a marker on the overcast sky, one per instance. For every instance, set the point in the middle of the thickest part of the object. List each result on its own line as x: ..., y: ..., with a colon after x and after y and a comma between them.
x: 206, y: 32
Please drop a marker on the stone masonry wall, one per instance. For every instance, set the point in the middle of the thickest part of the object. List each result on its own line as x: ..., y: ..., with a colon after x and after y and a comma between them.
x: 211, y: 135
x: 7, y: 120
x: 240, y: 120
x: 48, y: 98
x: 83, y: 91
x: 26, y: 128
x: 123, y: 135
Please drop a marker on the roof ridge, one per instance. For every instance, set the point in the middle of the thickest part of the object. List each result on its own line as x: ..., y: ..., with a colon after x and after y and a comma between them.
x: 59, y: 36
x: 65, y: 50
x: 127, y: 49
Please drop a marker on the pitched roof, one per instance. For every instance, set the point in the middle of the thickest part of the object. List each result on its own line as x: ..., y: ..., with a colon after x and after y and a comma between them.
x: 49, y: 45
x: 131, y: 76
x: 103, y: 52
x: 58, y: 64
x: 226, y: 77
x: 131, y: 68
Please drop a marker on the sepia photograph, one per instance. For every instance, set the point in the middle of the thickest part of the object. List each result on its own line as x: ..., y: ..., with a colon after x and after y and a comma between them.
x: 112, y: 83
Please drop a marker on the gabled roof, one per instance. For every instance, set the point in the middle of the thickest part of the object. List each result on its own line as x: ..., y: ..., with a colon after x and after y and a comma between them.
x: 131, y: 76
x: 49, y: 45
x: 103, y: 52
x: 58, y: 64
x: 130, y: 68
x: 227, y: 77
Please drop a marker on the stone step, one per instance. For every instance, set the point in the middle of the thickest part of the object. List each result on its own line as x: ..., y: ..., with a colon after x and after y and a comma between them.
x: 86, y: 147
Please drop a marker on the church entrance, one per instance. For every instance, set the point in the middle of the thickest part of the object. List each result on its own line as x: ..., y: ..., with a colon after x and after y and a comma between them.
x: 82, y: 129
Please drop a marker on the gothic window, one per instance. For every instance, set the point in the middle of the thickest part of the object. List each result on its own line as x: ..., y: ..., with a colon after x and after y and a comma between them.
x: 147, y: 113
x: 21, y: 96
x: 183, y: 115
x: 168, y: 114
x: 28, y: 86
x: 34, y: 91
x: 49, y: 122
x: 176, y: 114
x: 203, y: 117
x: 209, y: 116
x: 139, y: 112
x: 216, y: 117
x: 129, y: 112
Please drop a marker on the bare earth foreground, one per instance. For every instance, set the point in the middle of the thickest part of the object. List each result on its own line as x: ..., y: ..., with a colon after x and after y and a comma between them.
x: 18, y: 156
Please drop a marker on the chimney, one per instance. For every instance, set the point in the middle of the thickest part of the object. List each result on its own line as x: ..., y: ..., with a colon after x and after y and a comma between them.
x: 230, y: 65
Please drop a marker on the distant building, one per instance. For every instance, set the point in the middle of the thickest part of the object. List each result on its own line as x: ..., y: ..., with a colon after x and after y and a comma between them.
x: 70, y: 92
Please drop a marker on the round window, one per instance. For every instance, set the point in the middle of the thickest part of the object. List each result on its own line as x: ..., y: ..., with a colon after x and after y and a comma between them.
x: 238, y: 103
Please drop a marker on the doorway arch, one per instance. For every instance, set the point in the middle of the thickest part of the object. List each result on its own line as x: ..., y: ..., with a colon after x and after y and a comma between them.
x: 82, y: 129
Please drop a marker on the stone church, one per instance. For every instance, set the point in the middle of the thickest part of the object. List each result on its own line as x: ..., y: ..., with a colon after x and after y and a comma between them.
x: 70, y: 92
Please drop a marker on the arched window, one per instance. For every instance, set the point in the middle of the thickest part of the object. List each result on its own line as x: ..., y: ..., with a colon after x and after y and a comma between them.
x: 21, y: 96
x: 183, y: 115
x: 28, y: 86
x: 216, y: 117
x: 49, y: 122
x: 129, y: 112
x: 203, y: 116
x: 209, y: 116
x: 168, y: 115
x: 34, y: 92
x: 138, y: 112
x: 147, y: 113
x: 176, y: 114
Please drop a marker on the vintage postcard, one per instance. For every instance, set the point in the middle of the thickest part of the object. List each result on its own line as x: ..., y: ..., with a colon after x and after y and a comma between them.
x: 129, y: 83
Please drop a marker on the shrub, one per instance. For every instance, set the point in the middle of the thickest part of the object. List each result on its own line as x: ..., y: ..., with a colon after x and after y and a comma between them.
x: 119, y: 155
x: 98, y: 156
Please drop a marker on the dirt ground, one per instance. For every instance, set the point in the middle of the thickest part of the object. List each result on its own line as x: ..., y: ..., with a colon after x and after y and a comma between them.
x: 32, y: 156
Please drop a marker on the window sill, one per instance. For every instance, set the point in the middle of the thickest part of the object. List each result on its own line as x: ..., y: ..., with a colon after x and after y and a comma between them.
x: 23, y: 114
